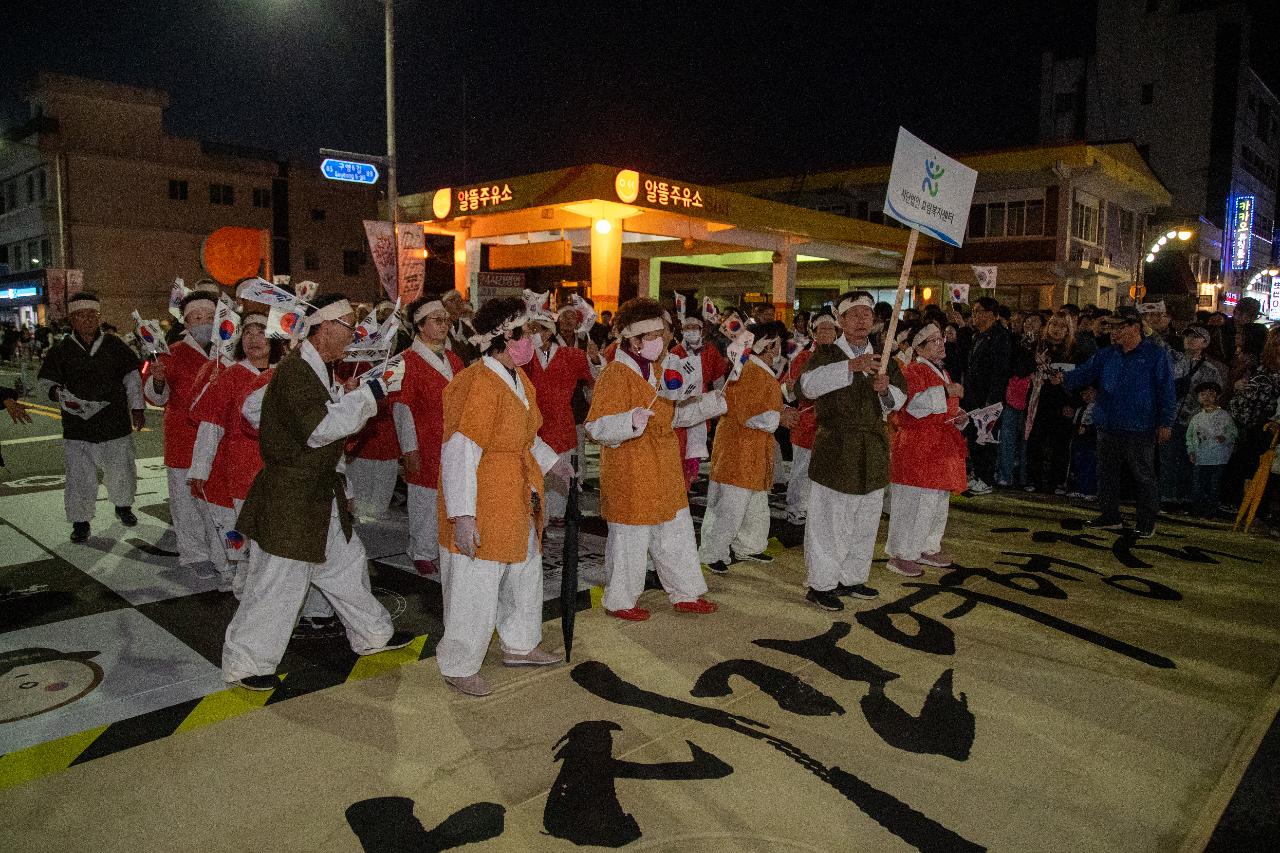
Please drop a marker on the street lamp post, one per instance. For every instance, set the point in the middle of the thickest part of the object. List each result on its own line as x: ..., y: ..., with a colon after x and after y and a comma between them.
x: 392, y: 198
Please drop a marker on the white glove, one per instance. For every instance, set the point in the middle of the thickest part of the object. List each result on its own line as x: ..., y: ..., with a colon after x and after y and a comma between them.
x: 640, y: 419
x: 466, y: 535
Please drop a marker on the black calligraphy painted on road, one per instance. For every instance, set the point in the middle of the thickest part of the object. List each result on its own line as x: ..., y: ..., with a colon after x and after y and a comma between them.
x: 1044, y: 564
x: 937, y: 638
x: 1124, y: 546
x: 945, y: 725
x: 388, y: 825
x: 895, y: 816
x: 583, y: 805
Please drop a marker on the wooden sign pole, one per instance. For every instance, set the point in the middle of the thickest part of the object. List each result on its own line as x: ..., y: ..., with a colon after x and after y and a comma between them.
x: 897, y: 301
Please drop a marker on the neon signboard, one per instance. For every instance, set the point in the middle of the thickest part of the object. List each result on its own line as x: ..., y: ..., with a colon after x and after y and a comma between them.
x: 1242, y: 232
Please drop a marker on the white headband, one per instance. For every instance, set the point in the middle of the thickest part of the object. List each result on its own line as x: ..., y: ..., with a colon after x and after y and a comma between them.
x: 928, y: 333
x: 482, y: 339
x: 822, y: 318
x: 643, y: 327
x: 572, y: 308
x: 82, y: 304
x: 212, y: 304
x: 433, y: 305
x: 260, y: 319
x: 333, y: 311
x: 850, y: 301
x: 761, y: 343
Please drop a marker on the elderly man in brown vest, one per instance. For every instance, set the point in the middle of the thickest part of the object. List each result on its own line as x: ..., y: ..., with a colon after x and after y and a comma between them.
x: 297, y: 512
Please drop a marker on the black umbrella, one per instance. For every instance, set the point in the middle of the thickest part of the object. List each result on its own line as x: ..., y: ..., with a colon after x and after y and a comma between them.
x: 569, y: 565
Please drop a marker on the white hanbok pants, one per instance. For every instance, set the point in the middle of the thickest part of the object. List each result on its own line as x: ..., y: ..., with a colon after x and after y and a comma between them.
x: 675, y: 556
x: 274, y: 593
x: 779, y: 464
x: 798, y: 485
x: 481, y: 595
x: 84, y: 459
x: 424, y: 524
x: 917, y: 520
x: 736, y: 519
x: 372, y: 483
x: 840, y: 537
x: 558, y: 501
x: 188, y: 522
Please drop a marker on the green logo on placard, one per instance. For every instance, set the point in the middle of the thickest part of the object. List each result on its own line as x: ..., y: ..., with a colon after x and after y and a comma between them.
x: 932, y: 172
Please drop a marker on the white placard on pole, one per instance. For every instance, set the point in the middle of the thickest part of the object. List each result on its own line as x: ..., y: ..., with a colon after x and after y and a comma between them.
x: 929, y: 191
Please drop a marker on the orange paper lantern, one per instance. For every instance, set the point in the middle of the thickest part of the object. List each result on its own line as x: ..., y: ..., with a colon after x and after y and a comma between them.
x: 231, y: 254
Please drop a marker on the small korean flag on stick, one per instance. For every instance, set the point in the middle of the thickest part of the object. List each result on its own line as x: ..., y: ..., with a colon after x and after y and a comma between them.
x: 959, y: 291
x: 986, y: 277
x: 176, y: 292
x: 288, y: 323
x: 151, y: 335
x: 680, y: 306
x: 681, y: 377
x: 226, y: 329
x: 709, y: 311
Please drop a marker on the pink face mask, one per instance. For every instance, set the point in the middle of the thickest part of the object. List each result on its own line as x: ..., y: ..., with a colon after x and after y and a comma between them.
x: 650, y: 350
x: 521, y: 351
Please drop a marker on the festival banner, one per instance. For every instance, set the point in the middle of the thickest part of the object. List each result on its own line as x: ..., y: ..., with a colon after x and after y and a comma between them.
x: 413, y: 262
x: 382, y: 248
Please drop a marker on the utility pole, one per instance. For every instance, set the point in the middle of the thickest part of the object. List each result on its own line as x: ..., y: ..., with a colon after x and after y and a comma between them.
x: 393, y: 201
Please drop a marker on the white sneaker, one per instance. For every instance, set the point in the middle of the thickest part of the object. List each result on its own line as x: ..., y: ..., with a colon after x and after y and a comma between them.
x: 979, y: 488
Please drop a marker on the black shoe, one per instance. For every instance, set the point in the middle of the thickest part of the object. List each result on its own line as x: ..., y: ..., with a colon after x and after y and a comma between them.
x: 398, y: 640
x: 762, y: 557
x: 826, y: 600
x: 1145, y: 532
x: 792, y: 535
x: 317, y: 623
x: 260, y: 683
x: 126, y: 516
x: 651, y: 580
x: 79, y: 531
x: 1106, y: 522
x: 857, y: 590
x: 720, y: 567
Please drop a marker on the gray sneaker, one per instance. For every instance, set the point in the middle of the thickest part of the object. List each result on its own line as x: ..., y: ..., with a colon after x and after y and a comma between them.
x: 471, y: 685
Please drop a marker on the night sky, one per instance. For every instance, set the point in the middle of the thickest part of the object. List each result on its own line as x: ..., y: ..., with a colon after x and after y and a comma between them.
x: 703, y: 92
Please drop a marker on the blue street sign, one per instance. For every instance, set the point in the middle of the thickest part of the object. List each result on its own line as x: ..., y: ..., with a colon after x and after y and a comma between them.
x: 349, y: 171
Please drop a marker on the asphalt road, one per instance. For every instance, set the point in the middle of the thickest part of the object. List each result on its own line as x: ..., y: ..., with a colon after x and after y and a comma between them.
x: 35, y: 449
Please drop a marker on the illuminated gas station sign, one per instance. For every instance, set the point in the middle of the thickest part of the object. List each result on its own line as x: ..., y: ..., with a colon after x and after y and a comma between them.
x: 1242, y: 232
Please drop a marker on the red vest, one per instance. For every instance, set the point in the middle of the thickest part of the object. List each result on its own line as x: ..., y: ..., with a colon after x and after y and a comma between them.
x: 806, y: 428
x: 185, y: 371
x: 423, y: 392
x: 238, y: 459
x: 927, y: 452
x: 555, y: 385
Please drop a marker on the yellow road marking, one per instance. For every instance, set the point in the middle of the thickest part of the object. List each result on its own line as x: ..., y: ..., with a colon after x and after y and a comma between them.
x: 44, y: 758
x: 223, y: 705
x: 597, y: 595
x: 371, y: 665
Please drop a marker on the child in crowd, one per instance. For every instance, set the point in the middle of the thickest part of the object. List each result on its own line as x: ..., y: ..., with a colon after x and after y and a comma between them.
x: 1211, y: 438
x: 1084, y: 450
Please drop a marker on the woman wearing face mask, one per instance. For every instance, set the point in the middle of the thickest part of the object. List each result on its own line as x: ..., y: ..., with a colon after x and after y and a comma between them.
x: 175, y: 383
x: 490, y: 506
x: 225, y: 458
x: 555, y: 371
x: 736, y: 526
x: 642, y: 493
x: 714, y: 370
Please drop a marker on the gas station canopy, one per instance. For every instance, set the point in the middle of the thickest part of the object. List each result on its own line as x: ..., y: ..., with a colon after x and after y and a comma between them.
x: 618, y: 213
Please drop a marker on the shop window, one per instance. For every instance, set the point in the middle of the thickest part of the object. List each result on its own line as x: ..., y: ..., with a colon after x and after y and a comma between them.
x: 177, y: 190
x: 977, y: 220
x: 351, y: 261
x: 310, y: 260
x: 1034, y: 218
x: 261, y: 197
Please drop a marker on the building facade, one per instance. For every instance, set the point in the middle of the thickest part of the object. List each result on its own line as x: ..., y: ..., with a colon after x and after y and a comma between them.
x: 1174, y: 77
x: 1061, y: 223
x: 93, y: 182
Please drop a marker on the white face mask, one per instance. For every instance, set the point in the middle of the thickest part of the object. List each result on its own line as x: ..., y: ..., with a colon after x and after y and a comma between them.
x: 202, y: 333
x: 693, y: 337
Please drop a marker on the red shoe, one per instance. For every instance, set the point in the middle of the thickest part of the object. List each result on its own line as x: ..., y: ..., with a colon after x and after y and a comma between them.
x: 631, y: 614
x: 699, y: 606
x: 426, y: 567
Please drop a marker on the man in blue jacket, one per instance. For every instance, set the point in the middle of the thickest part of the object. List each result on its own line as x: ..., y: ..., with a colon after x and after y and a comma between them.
x: 1134, y: 412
